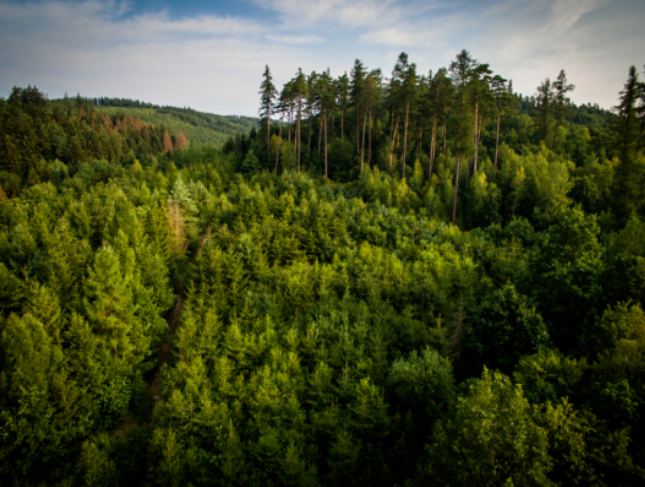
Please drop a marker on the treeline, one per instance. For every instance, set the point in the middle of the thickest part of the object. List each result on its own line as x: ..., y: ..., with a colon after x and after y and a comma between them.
x: 339, y: 126
x: 335, y: 328
x: 227, y: 124
x: 42, y: 141
x: 121, y: 102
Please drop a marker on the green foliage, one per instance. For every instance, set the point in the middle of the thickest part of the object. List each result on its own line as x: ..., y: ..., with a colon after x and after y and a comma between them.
x: 178, y: 314
x: 200, y: 128
x: 492, y: 439
x: 503, y: 328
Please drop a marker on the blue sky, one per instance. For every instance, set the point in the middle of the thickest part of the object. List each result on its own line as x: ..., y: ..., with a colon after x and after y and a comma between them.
x: 210, y: 55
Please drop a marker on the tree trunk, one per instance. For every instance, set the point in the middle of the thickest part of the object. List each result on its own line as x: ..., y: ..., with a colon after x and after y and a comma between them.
x: 454, y: 200
x: 277, y: 153
x: 497, y: 142
x: 298, y: 130
x: 268, y: 140
x: 311, y: 115
x: 326, y: 146
x: 358, y: 129
x: 342, y: 127
x: 369, y: 140
x: 444, y: 135
x: 363, y: 139
x: 393, y: 136
x: 320, y: 131
x: 405, y: 138
x: 433, y: 146
x: 557, y: 119
x: 476, y: 137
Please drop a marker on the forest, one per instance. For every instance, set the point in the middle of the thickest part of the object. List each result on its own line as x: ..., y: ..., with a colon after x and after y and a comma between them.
x: 400, y: 279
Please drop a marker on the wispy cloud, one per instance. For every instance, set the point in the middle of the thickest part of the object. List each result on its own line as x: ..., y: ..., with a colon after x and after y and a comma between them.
x: 296, y: 39
x: 214, y: 62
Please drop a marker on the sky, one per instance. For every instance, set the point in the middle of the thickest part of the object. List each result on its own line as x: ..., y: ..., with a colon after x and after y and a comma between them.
x: 210, y: 55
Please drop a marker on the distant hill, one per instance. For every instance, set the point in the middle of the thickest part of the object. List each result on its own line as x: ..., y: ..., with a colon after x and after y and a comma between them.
x: 200, y: 127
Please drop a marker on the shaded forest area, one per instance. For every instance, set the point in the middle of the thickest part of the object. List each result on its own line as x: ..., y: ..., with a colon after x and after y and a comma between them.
x: 404, y: 280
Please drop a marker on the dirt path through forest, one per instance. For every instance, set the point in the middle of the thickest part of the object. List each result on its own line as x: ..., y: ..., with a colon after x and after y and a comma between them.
x: 165, y: 349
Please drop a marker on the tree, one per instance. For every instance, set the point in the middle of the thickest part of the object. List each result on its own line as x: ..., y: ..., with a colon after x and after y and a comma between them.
x: 503, y: 328
x: 299, y: 89
x: 461, y: 71
x: 478, y: 88
x: 565, y: 275
x: 544, y: 101
x: 393, y: 93
x: 422, y: 388
x: 268, y: 93
x: 502, y: 97
x: 439, y: 92
x: 167, y: 142
x: 283, y: 107
x: 626, y: 130
x: 406, y: 74
x: 492, y: 439
x: 561, y: 88
x: 343, y: 101
x: 327, y: 102
x: 370, y: 96
x: 357, y: 81
x: 310, y: 104
x: 182, y: 141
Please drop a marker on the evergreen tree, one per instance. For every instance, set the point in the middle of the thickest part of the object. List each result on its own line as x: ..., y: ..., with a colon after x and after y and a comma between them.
x: 544, y: 102
x: 561, y: 88
x: 268, y: 94
x: 357, y: 80
x: 462, y: 71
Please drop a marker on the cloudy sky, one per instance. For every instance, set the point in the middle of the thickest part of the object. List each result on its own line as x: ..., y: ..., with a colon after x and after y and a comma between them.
x: 210, y: 55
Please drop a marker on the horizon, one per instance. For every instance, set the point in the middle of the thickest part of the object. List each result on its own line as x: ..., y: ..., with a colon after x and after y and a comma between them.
x: 209, y: 56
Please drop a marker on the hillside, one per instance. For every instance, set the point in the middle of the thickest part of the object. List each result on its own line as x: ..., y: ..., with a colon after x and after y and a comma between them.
x: 201, y: 128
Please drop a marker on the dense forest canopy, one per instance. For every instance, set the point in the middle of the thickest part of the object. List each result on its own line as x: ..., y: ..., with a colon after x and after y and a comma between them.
x: 395, y: 279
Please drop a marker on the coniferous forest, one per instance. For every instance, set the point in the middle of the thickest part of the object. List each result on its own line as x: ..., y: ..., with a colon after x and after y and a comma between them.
x: 393, y: 279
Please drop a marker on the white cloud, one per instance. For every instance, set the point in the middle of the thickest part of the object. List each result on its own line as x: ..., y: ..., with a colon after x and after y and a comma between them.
x: 296, y: 39
x: 214, y: 62
x: 210, y: 62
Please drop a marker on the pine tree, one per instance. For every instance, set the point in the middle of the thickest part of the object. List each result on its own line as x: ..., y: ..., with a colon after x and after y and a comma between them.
x: 356, y: 91
x: 461, y: 71
x: 544, y: 108
x: 268, y: 94
x: 478, y: 90
x: 343, y: 101
x: 299, y: 90
x: 626, y: 130
x: 502, y: 97
x: 407, y: 76
x: 440, y: 93
x: 561, y: 88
